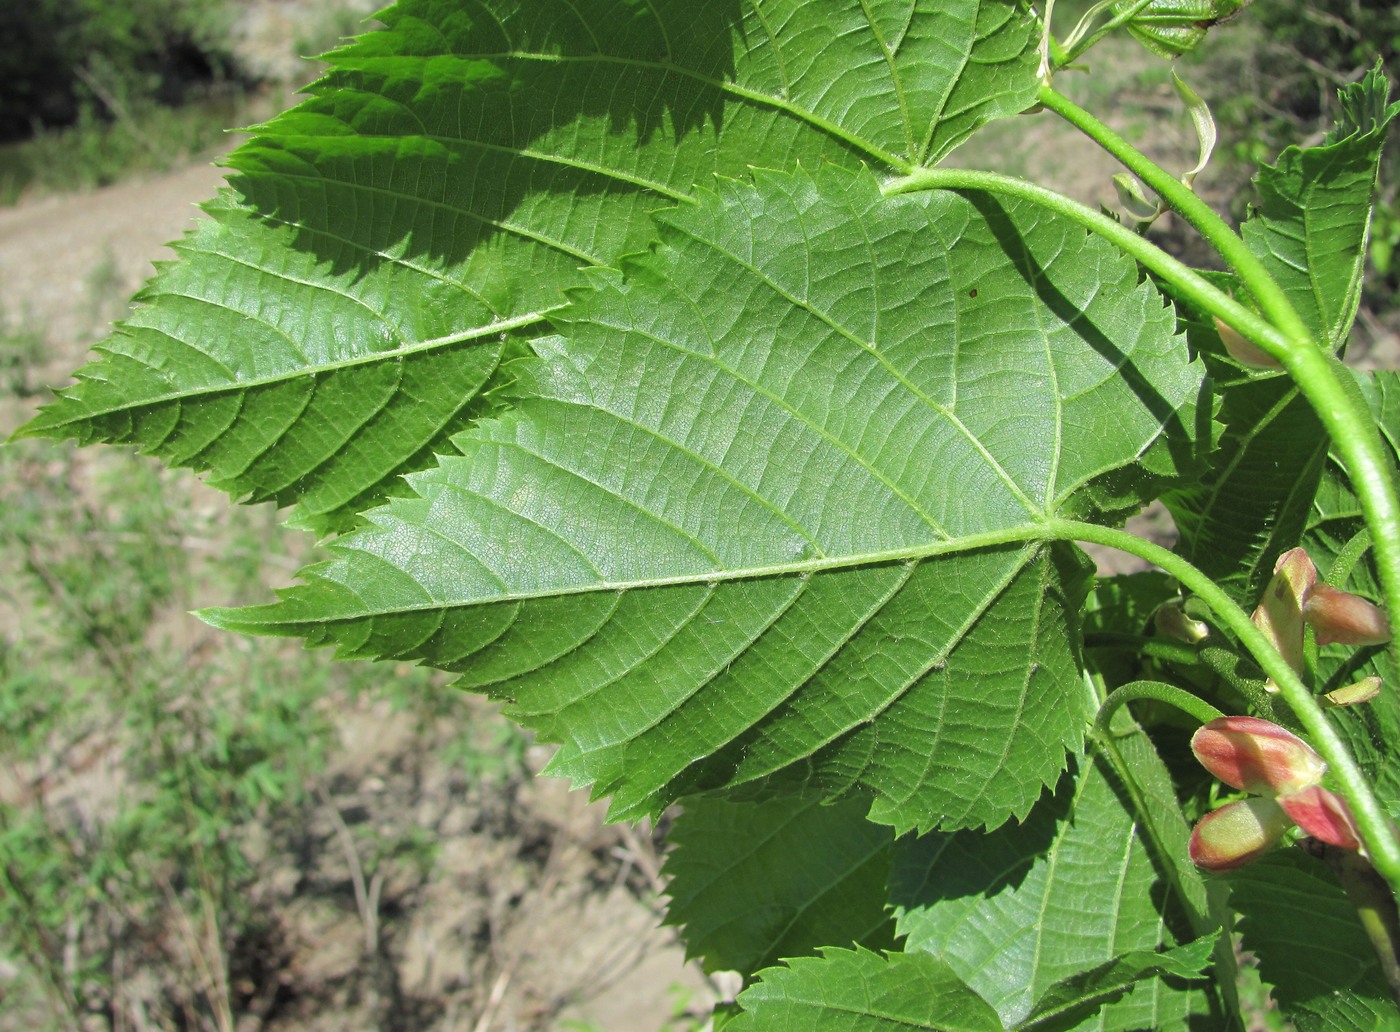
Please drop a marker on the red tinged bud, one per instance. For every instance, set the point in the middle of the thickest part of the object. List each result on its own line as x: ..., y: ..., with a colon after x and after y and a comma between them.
x: 1339, y: 616
x: 1363, y: 691
x: 1323, y: 815
x: 1257, y: 755
x: 1237, y: 833
x: 1280, y: 612
x: 1243, y: 350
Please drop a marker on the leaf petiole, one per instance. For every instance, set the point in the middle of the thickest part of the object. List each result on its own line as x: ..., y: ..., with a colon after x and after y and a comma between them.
x: 1158, y: 691
x: 1324, y: 381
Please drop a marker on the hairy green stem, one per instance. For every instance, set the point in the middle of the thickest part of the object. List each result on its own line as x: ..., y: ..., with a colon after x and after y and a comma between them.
x: 1138, y: 644
x: 1158, y: 691
x: 1372, y: 821
x: 1273, y: 302
x: 1324, y: 381
x: 1348, y: 557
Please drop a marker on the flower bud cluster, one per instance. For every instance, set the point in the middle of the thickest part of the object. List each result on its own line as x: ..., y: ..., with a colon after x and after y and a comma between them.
x: 1285, y: 775
x: 1296, y: 598
x: 1280, y: 770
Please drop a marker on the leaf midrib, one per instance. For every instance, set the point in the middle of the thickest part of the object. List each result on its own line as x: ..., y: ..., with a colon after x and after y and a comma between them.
x: 302, y: 372
x: 1031, y: 533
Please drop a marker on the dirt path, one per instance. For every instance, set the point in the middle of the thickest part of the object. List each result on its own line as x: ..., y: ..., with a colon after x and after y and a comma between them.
x: 57, y: 254
x: 533, y: 895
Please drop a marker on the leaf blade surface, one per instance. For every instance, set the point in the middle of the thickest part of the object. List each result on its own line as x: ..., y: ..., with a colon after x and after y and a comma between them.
x: 774, y: 511
x: 338, y: 317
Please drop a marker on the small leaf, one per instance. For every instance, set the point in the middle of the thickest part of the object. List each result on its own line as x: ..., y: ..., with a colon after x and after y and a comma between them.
x: 859, y: 991
x: 1315, y: 208
x: 1170, y: 28
x: 1202, y: 121
x: 754, y: 883
x: 1067, y: 1003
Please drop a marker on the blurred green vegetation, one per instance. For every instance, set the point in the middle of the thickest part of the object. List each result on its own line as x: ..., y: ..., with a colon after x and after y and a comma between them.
x: 158, y: 779
x: 62, y: 56
x: 155, y: 776
x: 92, y: 92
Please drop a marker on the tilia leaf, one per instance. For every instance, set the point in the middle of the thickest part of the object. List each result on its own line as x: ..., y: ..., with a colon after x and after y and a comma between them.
x: 337, y: 317
x: 860, y: 991
x: 1310, y: 945
x: 776, y: 507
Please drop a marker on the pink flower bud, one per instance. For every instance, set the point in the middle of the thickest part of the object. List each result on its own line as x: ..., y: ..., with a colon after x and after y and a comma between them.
x: 1322, y: 815
x: 1237, y: 833
x: 1280, y: 612
x: 1362, y: 691
x: 1257, y: 755
x: 1243, y: 350
x: 1339, y: 616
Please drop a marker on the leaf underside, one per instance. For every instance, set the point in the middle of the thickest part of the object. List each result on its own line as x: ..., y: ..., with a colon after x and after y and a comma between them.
x: 337, y: 317
x: 1021, y: 910
x: 772, y: 510
x: 754, y: 883
x: 1310, y: 945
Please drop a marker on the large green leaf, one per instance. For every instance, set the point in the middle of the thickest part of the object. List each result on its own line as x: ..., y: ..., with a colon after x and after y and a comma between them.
x: 1016, y: 912
x: 1310, y: 232
x: 776, y: 507
x: 754, y: 883
x: 333, y: 322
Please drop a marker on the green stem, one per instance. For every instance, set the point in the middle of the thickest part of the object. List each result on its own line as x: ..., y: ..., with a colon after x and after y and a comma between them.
x: 1348, y: 557
x: 1324, y: 381
x: 1158, y: 691
x: 1079, y: 46
x: 1273, y: 302
x: 1154, y: 648
x: 1372, y: 821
